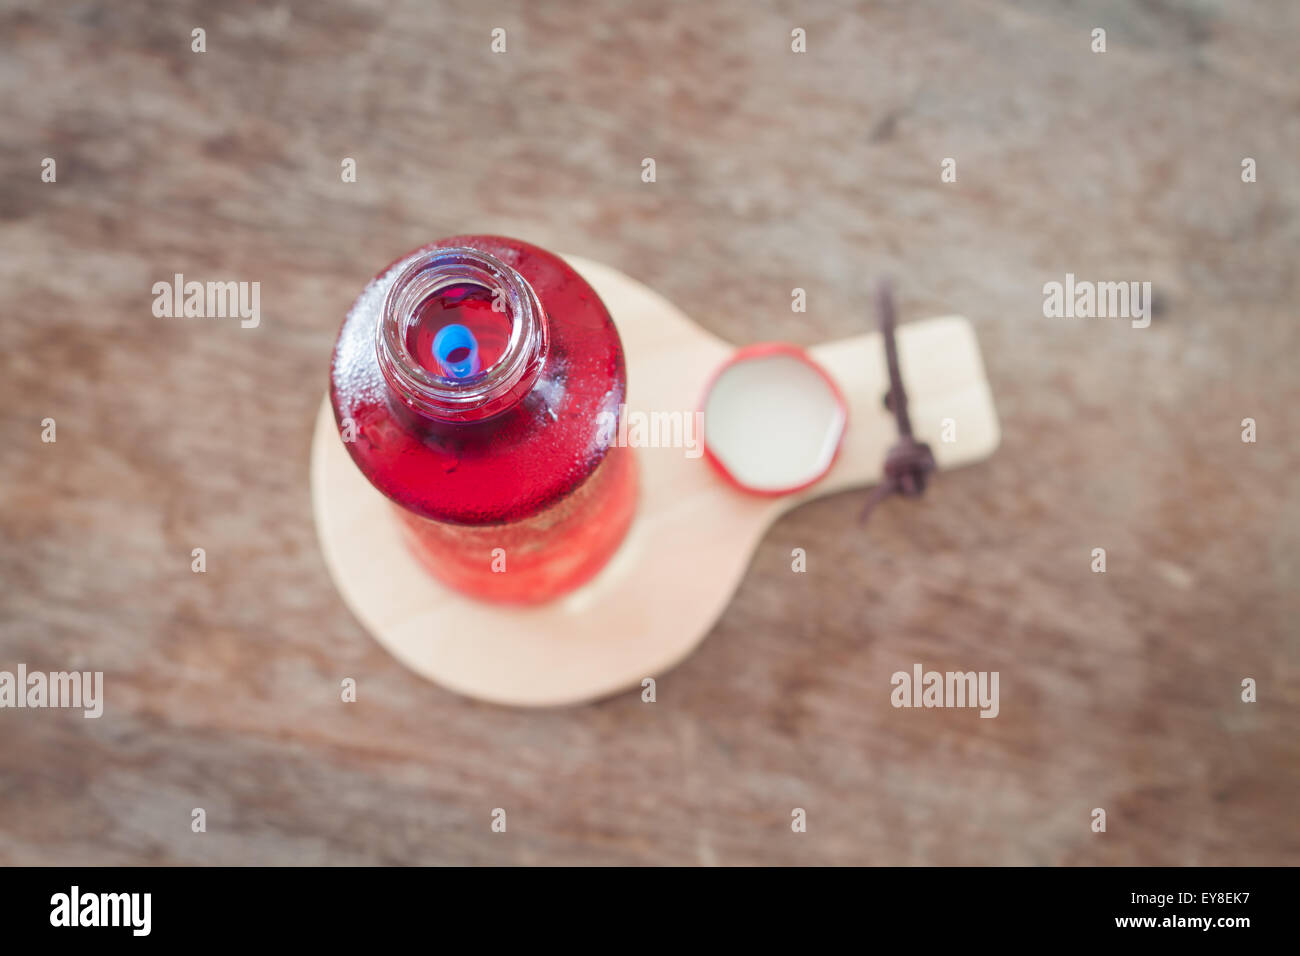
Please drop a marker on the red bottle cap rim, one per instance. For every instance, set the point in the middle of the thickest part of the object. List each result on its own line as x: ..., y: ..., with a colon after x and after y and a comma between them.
x: 778, y: 427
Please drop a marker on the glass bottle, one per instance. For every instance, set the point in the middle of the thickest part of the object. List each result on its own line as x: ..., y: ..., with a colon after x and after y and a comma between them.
x: 473, y: 383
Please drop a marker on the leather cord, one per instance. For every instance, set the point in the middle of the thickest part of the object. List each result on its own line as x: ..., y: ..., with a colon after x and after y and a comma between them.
x: 908, y: 463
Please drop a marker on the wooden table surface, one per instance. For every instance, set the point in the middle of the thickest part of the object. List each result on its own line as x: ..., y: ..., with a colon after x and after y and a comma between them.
x: 775, y: 170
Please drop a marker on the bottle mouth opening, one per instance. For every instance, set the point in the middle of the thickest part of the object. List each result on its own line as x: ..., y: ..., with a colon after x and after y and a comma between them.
x: 461, y: 335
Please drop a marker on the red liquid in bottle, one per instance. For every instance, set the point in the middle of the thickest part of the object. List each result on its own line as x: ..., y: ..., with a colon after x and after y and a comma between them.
x: 467, y: 305
x: 505, y: 480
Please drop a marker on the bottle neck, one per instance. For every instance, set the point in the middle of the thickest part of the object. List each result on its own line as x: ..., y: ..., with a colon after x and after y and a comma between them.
x: 493, y: 389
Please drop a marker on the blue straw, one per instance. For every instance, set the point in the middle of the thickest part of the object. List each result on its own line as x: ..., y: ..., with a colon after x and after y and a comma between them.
x: 451, y: 339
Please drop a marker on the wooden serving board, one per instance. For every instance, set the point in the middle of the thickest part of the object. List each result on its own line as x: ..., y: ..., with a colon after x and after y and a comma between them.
x: 692, y: 536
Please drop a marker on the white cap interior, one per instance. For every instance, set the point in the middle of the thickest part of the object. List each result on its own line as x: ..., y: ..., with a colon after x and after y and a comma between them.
x: 773, y: 422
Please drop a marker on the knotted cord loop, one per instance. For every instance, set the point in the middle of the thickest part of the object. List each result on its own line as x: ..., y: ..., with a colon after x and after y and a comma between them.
x: 908, y: 463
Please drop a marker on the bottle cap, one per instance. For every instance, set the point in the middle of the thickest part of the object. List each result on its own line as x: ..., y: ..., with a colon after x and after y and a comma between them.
x: 773, y: 419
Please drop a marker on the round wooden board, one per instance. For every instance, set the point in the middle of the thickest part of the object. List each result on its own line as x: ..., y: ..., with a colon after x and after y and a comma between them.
x: 692, y: 536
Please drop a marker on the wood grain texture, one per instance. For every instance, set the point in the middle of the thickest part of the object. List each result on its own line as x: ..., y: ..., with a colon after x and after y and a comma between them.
x: 775, y: 170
